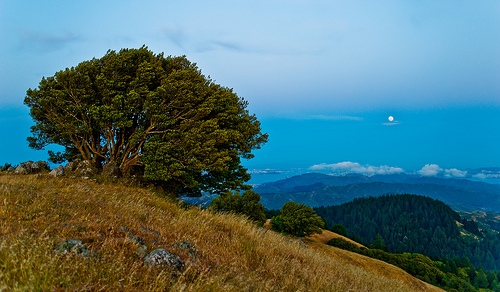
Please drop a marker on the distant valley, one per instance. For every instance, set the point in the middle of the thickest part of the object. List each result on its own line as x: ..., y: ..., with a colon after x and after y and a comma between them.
x: 317, y: 189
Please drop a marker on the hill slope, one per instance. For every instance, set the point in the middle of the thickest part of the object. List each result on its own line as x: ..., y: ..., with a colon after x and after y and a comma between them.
x: 229, y: 254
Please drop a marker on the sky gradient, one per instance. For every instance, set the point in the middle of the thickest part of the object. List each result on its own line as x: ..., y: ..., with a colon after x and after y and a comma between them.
x: 321, y: 76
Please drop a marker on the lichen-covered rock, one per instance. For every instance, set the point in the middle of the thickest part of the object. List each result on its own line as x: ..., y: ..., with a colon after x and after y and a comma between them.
x: 81, y: 168
x: 30, y: 167
x: 71, y: 166
x: 162, y: 258
x: 58, y: 171
x: 130, y: 236
x: 142, y: 249
x: 188, y: 247
x: 74, y: 246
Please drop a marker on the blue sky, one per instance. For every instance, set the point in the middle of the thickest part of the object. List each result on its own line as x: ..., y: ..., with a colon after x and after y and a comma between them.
x: 322, y: 76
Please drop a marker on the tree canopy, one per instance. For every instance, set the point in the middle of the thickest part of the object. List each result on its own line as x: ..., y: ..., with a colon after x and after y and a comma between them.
x: 247, y: 204
x: 297, y: 219
x: 134, y: 108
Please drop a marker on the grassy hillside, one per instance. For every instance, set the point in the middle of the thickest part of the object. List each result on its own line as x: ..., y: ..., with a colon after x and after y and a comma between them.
x: 39, y: 212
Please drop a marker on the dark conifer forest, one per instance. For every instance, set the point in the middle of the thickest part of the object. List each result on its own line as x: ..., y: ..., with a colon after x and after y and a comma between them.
x: 415, y: 224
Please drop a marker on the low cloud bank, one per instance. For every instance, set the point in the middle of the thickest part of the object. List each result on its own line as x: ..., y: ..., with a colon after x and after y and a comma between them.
x: 369, y: 170
x: 453, y: 172
x: 434, y: 169
x: 486, y: 175
x: 430, y: 170
x: 354, y: 167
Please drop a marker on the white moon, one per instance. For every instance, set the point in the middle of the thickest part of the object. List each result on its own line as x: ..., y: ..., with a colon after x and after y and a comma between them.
x: 390, y: 118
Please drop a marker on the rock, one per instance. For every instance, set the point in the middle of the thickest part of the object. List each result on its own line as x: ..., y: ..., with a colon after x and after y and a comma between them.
x: 71, y: 166
x: 162, y: 258
x: 150, y: 231
x: 111, y: 170
x: 30, y: 167
x: 130, y: 236
x: 58, y: 171
x: 134, y: 239
x: 21, y: 169
x: 74, y: 246
x: 141, y: 251
x: 301, y: 241
x: 85, y: 168
x: 39, y: 166
x: 188, y: 247
x: 81, y: 168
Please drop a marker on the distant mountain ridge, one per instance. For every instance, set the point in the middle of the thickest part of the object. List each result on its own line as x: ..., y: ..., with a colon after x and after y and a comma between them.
x: 316, y: 189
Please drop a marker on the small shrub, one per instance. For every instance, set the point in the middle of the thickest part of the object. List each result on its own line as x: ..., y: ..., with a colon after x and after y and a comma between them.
x: 344, y: 244
x: 297, y: 219
x: 247, y: 204
x: 5, y: 167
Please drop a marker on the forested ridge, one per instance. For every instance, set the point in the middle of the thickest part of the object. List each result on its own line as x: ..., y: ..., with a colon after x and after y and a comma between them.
x: 317, y: 189
x: 416, y: 224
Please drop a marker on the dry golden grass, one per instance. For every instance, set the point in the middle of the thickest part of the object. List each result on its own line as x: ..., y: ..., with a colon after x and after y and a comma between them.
x: 327, y: 235
x: 38, y: 212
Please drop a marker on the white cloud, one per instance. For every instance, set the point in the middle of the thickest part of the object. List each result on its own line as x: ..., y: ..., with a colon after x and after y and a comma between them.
x: 393, y: 123
x: 430, y: 170
x: 483, y: 175
x: 354, y: 167
x: 453, y: 172
x: 480, y: 176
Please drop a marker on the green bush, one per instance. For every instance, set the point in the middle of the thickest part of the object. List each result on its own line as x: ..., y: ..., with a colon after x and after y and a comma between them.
x: 247, y: 204
x: 5, y: 167
x: 344, y: 244
x: 297, y: 219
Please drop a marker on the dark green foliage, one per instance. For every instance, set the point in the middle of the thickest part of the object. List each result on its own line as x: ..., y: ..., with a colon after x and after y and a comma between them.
x: 481, y: 279
x: 5, y: 167
x: 252, y: 207
x: 344, y: 244
x: 471, y: 226
x: 136, y: 108
x: 247, y: 204
x: 297, y: 219
x: 415, y: 224
x: 271, y: 213
x: 339, y: 229
x: 379, y: 243
x: 277, y: 223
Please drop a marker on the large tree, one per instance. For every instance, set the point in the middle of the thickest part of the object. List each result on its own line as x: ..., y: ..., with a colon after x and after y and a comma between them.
x: 136, y: 108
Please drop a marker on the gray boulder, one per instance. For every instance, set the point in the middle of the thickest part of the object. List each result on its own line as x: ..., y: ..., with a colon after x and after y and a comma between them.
x: 163, y: 259
x: 81, y: 168
x: 142, y: 249
x: 188, y: 247
x: 58, y: 171
x: 30, y: 167
x: 75, y: 246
